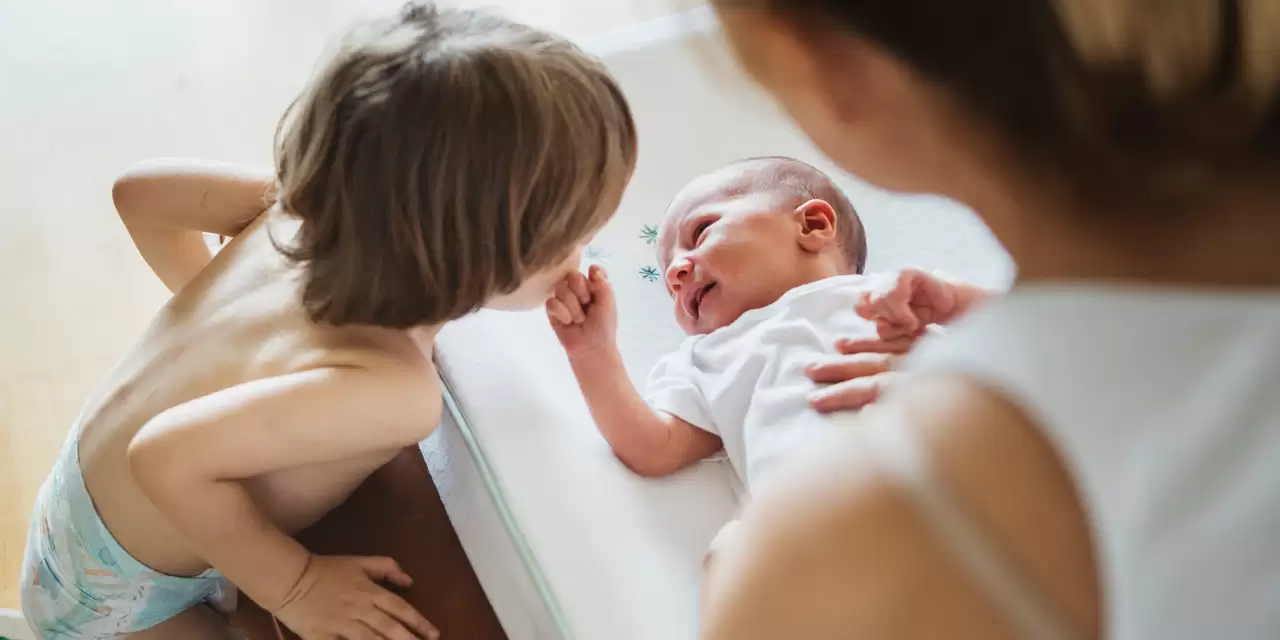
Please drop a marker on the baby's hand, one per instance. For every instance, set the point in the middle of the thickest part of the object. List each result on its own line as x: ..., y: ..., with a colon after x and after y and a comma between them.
x: 582, y: 312
x: 339, y: 597
x: 905, y: 306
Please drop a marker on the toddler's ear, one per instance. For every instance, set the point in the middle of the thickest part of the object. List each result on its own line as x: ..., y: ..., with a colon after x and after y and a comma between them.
x: 817, y: 221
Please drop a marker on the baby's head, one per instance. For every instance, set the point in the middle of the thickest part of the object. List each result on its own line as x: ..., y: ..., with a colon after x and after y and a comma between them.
x: 446, y: 160
x: 738, y: 238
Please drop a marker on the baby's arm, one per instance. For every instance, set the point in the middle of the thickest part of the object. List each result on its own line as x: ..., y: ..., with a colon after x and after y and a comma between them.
x: 191, y: 462
x: 914, y: 299
x: 168, y: 204
x: 965, y: 297
x: 649, y: 442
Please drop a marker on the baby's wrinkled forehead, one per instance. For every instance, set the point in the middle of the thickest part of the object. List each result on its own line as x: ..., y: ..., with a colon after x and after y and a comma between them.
x: 703, y: 192
x: 684, y: 205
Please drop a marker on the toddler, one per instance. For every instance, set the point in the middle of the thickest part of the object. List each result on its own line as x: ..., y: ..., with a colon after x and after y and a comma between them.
x: 441, y: 162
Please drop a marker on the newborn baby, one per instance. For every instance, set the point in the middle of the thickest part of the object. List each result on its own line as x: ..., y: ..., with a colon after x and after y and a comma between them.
x: 764, y: 261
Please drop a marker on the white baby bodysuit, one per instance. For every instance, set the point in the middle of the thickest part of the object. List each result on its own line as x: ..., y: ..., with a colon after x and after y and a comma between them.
x: 746, y: 382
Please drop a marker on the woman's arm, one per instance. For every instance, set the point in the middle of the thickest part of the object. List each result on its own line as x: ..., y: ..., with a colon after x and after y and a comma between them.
x: 838, y: 549
x: 190, y: 460
x: 168, y: 204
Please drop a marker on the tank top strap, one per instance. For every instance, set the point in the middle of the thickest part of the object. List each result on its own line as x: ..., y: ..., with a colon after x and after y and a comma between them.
x: 1025, y: 607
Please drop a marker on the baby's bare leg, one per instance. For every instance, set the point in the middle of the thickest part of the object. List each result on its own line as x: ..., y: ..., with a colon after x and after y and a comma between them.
x: 197, y: 623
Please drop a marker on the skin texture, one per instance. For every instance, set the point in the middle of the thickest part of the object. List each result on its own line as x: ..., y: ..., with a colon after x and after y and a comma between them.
x: 256, y: 421
x: 186, y: 476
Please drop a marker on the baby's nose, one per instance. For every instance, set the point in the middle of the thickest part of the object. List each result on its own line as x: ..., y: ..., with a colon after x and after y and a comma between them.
x: 678, y: 272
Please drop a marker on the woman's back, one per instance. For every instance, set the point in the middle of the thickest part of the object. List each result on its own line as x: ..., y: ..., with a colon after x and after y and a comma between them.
x: 1162, y: 406
x: 1126, y: 141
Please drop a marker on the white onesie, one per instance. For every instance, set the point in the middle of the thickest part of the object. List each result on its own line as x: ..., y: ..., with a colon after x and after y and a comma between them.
x: 746, y: 382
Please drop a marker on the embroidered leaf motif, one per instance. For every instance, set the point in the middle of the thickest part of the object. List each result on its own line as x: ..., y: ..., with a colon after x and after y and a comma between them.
x: 650, y: 274
x: 649, y: 234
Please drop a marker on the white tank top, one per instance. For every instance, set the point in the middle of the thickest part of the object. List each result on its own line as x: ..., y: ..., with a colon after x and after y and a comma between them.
x: 1165, y: 408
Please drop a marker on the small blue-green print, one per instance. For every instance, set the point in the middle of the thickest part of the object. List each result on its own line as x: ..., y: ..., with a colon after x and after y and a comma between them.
x: 593, y: 254
x: 650, y: 274
x: 649, y: 234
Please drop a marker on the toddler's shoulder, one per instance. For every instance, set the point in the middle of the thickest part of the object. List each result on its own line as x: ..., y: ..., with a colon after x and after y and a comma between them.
x: 404, y: 366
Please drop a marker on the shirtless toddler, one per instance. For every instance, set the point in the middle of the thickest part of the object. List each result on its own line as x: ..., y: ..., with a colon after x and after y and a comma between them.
x: 441, y: 162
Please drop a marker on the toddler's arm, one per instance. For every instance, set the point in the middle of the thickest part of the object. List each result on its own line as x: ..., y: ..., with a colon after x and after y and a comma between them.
x: 168, y: 204
x: 649, y: 442
x: 192, y: 461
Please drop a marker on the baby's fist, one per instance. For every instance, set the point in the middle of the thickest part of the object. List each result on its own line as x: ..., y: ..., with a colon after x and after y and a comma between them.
x: 908, y: 303
x: 582, y: 311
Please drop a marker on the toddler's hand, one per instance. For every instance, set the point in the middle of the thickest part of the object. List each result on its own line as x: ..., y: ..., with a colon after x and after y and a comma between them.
x: 339, y: 597
x: 582, y: 312
x: 906, y: 305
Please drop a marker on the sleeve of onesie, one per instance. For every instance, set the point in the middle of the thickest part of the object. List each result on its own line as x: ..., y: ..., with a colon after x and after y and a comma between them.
x: 673, y: 388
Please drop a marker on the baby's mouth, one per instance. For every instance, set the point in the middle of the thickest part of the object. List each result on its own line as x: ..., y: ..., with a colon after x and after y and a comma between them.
x: 697, y: 298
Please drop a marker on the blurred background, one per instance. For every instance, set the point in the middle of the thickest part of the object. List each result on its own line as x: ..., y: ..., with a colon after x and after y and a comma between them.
x: 88, y: 87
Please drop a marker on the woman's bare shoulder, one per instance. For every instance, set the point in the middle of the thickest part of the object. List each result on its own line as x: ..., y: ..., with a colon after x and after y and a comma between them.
x: 839, y: 547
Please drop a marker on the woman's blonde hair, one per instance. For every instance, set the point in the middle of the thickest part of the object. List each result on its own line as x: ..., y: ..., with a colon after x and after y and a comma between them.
x: 1140, y: 105
x: 442, y: 157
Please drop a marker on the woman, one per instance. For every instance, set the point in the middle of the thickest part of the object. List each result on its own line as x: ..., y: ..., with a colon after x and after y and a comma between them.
x: 1092, y: 456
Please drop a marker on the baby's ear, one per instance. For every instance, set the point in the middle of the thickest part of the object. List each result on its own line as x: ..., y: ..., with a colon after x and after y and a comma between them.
x: 817, y: 221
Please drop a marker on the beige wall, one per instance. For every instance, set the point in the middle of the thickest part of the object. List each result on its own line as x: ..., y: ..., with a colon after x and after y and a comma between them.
x: 585, y: 17
x: 87, y: 87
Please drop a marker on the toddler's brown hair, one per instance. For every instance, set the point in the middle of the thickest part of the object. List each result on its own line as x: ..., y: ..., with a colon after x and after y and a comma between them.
x: 442, y: 157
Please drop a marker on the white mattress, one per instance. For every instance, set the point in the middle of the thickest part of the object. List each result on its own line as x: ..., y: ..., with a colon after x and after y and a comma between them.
x: 567, y: 542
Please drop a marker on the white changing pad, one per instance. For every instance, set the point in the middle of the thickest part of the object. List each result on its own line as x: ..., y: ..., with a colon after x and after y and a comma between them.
x: 598, y: 551
x: 567, y: 542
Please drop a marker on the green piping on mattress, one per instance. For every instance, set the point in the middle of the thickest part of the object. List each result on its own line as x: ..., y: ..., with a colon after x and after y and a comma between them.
x: 490, y: 479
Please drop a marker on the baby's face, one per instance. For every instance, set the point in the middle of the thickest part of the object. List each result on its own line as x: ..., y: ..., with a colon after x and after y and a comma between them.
x: 726, y: 249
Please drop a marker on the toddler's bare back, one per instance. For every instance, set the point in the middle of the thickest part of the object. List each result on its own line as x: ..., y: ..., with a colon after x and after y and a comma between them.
x: 240, y: 320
